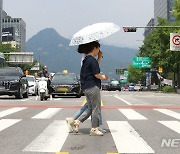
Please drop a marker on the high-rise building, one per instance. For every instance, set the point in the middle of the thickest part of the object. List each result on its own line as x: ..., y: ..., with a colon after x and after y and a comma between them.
x: 163, y: 9
x: 20, y: 30
x: 150, y: 24
x: 1, y: 8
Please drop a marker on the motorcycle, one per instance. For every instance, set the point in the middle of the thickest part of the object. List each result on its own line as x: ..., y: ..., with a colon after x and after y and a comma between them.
x: 42, y: 89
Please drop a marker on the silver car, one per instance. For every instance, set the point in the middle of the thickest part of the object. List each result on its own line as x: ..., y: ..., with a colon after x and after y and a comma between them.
x: 33, y: 87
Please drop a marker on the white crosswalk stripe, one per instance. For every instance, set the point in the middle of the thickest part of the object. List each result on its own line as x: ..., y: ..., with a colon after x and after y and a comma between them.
x: 47, y: 114
x: 173, y: 125
x: 169, y: 113
x: 127, y: 140
x: 51, y: 139
x: 5, y: 123
x: 132, y: 115
x: 11, y: 111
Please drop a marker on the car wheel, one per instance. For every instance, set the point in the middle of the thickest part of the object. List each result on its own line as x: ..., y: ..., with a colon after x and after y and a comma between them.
x: 53, y: 96
x: 78, y: 96
x: 19, y: 95
x: 25, y: 95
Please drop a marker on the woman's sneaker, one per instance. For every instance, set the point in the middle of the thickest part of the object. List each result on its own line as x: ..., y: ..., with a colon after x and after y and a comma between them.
x: 102, y: 130
x: 95, y: 132
x: 68, y: 121
x: 75, y: 126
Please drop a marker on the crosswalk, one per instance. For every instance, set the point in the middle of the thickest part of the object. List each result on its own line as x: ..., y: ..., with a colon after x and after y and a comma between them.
x: 125, y: 136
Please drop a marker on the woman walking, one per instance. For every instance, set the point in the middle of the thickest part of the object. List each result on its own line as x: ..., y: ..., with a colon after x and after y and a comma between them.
x: 90, y: 78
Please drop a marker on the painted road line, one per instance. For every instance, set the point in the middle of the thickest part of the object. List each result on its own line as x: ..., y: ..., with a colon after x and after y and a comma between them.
x: 102, y: 104
x: 57, y: 99
x: 47, y: 114
x: 169, y: 113
x: 126, y: 139
x: 173, y: 125
x: 132, y: 115
x: 62, y: 152
x: 10, y: 111
x: 84, y: 102
x: 116, y: 96
x: 24, y: 100
x: 51, y: 139
x: 5, y: 123
x: 51, y: 98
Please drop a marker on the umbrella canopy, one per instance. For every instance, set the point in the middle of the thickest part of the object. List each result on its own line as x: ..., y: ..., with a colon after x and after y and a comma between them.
x: 93, y: 32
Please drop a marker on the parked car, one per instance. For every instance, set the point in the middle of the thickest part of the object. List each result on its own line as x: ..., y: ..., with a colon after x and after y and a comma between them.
x: 138, y: 87
x: 13, y: 82
x: 65, y: 84
x: 115, y: 85
x: 131, y: 87
x: 33, y: 86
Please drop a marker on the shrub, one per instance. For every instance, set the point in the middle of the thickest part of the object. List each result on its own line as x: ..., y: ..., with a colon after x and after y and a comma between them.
x: 168, y: 89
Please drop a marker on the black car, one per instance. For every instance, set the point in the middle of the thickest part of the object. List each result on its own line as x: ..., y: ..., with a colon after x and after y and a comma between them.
x: 65, y: 84
x: 115, y: 85
x: 105, y: 84
x: 13, y: 82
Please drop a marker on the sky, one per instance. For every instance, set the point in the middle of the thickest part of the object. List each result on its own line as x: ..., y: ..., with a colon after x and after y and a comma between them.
x: 69, y: 16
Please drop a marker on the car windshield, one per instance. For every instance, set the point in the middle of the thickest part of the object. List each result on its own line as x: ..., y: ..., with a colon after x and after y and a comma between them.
x: 29, y: 78
x: 64, y: 78
x: 115, y: 82
x: 106, y: 81
x: 10, y: 72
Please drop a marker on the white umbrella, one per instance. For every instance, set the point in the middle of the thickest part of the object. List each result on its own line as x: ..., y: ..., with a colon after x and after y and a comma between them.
x: 93, y: 32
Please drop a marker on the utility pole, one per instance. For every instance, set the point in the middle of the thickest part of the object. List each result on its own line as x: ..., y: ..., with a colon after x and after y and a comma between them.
x: 134, y: 28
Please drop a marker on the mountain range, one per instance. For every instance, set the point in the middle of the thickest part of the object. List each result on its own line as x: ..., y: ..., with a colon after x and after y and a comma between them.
x: 53, y: 50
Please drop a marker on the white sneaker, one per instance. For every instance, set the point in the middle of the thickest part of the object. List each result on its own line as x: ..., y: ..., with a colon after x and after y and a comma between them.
x: 102, y: 130
x: 68, y: 121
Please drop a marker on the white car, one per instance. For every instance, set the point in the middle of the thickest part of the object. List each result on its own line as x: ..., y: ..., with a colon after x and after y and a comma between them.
x: 33, y: 86
x: 138, y: 87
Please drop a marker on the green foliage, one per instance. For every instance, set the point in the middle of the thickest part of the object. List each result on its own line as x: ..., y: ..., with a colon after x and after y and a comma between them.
x: 135, y: 74
x: 6, y: 48
x: 157, y: 47
x: 176, y: 10
x: 167, y: 89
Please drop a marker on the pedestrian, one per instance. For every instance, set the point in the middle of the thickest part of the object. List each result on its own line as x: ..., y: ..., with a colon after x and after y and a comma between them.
x: 81, y: 111
x: 90, y: 78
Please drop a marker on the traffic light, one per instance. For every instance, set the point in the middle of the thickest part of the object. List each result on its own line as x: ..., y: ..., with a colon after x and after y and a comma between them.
x: 129, y: 29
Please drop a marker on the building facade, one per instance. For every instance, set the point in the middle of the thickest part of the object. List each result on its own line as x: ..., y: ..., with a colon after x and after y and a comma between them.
x: 163, y: 9
x: 1, y: 9
x: 150, y: 24
x: 20, y: 30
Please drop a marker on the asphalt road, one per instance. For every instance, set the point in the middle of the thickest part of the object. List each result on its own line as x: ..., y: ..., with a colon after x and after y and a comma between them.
x: 136, y: 122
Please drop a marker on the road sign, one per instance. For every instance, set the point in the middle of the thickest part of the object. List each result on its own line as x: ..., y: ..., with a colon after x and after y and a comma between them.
x: 175, y: 41
x: 141, y: 62
x: 144, y: 59
x: 119, y: 71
